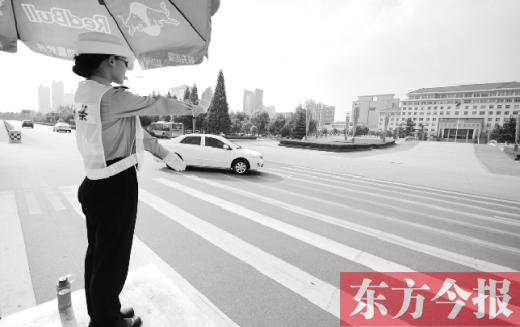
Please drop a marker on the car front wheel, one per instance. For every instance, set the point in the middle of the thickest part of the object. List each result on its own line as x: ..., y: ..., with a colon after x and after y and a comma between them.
x: 240, y: 166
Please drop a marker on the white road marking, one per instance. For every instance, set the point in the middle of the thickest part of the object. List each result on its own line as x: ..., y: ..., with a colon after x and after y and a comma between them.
x: 473, y: 263
x: 32, y: 203
x: 432, y: 190
x: 16, y: 288
x: 401, y: 199
x: 443, y: 232
x: 388, y: 206
x: 51, y: 196
x: 174, y: 213
x: 142, y: 255
x: 344, y: 251
x: 318, y: 292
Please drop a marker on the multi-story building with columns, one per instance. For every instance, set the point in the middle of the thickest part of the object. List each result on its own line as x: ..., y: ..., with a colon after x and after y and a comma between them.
x: 464, y: 111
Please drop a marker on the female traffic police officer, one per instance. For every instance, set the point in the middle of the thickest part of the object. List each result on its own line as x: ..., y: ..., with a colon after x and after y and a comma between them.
x: 112, y: 143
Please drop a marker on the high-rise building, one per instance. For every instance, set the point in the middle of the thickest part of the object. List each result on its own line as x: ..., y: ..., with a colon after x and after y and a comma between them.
x: 320, y: 112
x: 259, y: 94
x: 179, y: 91
x: 58, y: 94
x: 248, y: 103
x: 271, y: 110
x: 462, y: 112
x: 44, y: 99
x: 370, y: 106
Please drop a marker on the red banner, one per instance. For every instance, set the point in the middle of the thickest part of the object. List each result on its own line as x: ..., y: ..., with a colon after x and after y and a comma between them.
x: 430, y: 299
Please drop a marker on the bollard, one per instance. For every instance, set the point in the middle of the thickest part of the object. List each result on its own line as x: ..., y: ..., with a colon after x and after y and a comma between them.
x: 15, y: 136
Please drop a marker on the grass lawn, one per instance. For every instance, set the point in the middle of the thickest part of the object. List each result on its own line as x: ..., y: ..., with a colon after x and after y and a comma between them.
x: 509, y: 151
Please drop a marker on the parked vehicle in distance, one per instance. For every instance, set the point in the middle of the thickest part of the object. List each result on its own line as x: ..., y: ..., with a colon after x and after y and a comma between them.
x: 205, y: 150
x: 62, y: 127
x: 166, y: 129
x: 27, y: 123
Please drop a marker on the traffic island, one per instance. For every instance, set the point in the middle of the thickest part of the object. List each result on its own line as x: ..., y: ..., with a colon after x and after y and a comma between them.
x: 336, y: 145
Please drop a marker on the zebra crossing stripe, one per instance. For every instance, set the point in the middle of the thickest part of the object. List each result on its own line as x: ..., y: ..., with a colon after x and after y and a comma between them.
x: 401, y: 199
x: 473, y: 263
x: 51, y: 196
x: 378, y: 187
x: 318, y: 292
x: 32, y: 203
x: 276, y: 265
x: 452, y: 194
x: 344, y: 251
x: 16, y: 289
x: 142, y: 255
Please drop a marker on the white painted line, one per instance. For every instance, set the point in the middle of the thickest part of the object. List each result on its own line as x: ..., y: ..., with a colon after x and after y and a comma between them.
x: 387, y: 237
x: 176, y: 214
x: 402, y: 199
x: 468, y: 197
x: 16, y: 288
x: 344, y: 251
x: 51, y: 196
x: 32, y: 203
x: 318, y: 292
x: 387, y: 206
x: 443, y: 232
x: 142, y: 255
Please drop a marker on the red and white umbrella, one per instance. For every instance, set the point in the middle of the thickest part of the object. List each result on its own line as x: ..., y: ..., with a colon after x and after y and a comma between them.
x: 160, y: 33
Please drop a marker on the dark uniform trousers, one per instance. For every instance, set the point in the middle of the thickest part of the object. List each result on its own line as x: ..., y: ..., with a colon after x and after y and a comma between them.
x: 110, y: 208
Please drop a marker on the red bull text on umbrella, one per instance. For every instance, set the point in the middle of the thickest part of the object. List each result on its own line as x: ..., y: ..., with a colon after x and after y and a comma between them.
x: 147, y: 20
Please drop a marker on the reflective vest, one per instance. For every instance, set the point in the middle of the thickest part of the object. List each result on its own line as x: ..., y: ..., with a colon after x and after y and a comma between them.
x: 87, y: 103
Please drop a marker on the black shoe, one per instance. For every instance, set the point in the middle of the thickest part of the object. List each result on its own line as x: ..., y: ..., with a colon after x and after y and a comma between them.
x: 125, y: 313
x: 129, y: 322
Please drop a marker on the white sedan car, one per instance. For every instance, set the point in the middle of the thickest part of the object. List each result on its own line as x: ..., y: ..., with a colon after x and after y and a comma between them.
x: 206, y: 150
x: 61, y: 127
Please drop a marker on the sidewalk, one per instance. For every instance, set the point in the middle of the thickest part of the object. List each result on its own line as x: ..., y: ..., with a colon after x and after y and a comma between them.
x: 154, y: 297
x: 496, y: 161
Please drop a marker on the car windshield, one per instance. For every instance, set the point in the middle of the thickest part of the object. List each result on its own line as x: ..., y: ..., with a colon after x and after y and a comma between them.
x: 238, y: 146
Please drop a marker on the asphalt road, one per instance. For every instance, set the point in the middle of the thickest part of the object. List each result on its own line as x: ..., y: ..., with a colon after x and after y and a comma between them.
x: 265, y: 249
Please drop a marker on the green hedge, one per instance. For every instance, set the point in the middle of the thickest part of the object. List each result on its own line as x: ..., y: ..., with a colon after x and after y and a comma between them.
x: 331, y: 146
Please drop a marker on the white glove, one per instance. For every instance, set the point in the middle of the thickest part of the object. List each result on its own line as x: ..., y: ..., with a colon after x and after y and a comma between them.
x: 175, y: 162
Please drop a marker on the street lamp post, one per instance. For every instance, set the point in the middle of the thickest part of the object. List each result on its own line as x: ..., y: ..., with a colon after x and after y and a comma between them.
x: 347, y: 123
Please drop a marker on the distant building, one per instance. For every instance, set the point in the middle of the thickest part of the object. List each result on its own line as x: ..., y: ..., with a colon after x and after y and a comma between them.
x: 248, y: 102
x: 394, y: 121
x: 58, y: 94
x: 320, y: 112
x: 370, y: 106
x: 271, y: 110
x: 259, y: 95
x: 179, y: 91
x: 44, y: 99
x: 464, y: 111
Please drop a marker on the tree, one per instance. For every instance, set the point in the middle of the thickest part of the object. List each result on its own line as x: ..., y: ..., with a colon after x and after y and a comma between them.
x: 218, y: 112
x: 409, y: 127
x: 246, y: 127
x: 236, y: 125
x: 279, y: 123
x: 175, y: 97
x: 194, y: 96
x: 254, y: 130
x: 313, y: 126
x: 299, y: 129
x: 260, y: 119
x: 334, y: 130
x: 186, y: 94
x: 421, y: 131
x: 361, y: 130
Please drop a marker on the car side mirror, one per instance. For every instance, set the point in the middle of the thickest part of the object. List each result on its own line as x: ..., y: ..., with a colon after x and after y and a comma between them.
x: 226, y: 147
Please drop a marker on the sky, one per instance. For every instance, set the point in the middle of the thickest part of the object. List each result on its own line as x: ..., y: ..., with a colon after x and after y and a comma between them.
x: 328, y: 50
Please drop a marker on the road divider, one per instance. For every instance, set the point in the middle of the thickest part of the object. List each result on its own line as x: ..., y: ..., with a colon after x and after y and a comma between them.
x: 14, y: 135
